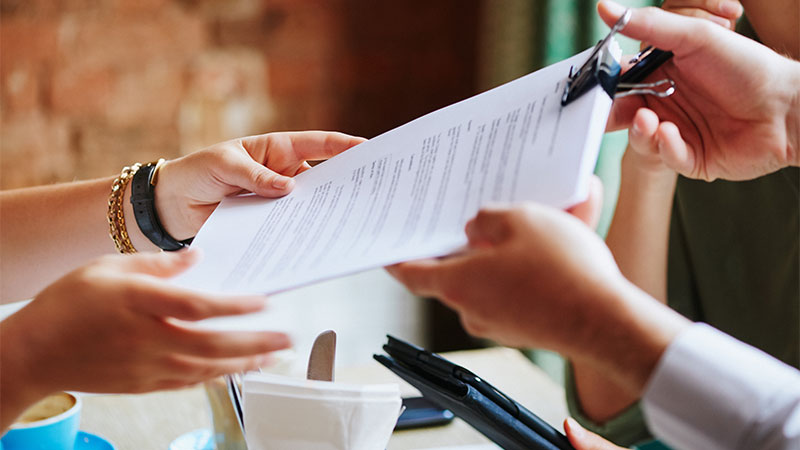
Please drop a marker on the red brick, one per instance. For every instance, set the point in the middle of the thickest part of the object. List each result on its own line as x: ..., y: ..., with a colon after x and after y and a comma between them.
x: 34, y: 150
x: 104, y: 150
x: 294, y: 77
x: 229, y: 9
x: 148, y: 95
x: 115, y: 40
x: 26, y: 41
x: 305, y: 29
x: 226, y: 97
x: 82, y: 93
x: 20, y: 90
x: 138, y: 7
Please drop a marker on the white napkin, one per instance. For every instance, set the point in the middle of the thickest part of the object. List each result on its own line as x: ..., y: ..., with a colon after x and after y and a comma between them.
x: 289, y: 413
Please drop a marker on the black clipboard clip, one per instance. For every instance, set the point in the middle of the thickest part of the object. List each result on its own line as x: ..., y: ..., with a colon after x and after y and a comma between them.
x: 603, y: 68
x: 470, y: 397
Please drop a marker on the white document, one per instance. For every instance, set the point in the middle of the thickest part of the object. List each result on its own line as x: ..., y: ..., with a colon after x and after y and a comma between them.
x: 408, y: 193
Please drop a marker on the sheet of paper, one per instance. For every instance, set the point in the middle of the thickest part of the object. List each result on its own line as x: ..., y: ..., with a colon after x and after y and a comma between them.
x: 408, y: 193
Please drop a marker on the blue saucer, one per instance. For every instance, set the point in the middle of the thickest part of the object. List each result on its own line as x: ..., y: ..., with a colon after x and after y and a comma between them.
x: 202, y: 439
x: 89, y: 441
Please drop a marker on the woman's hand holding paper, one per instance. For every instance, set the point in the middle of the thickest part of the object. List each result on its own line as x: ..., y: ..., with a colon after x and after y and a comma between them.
x: 189, y: 188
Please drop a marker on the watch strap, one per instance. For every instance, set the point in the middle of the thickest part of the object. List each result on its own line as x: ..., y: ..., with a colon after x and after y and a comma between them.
x: 143, y: 199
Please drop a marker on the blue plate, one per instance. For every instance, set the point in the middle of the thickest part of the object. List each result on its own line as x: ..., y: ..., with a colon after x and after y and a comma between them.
x: 89, y: 441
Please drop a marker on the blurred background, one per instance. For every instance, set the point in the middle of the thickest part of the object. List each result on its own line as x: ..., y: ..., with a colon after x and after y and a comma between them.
x: 89, y: 86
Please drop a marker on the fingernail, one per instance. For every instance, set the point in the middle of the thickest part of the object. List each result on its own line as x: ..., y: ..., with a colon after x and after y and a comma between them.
x: 575, y: 428
x: 469, y: 228
x: 635, y: 130
x: 262, y: 301
x: 731, y: 9
x: 264, y: 360
x: 614, y: 7
x: 721, y: 21
x: 189, y: 254
x: 282, y: 183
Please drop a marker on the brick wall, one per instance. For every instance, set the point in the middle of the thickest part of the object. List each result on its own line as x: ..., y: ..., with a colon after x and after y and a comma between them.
x: 87, y: 86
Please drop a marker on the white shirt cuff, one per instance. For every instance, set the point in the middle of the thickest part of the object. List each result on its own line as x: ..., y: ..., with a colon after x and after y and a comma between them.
x: 710, y: 391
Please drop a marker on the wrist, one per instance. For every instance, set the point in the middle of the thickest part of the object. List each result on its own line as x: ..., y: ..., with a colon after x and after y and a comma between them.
x: 143, y: 198
x: 21, y: 385
x: 793, y: 116
x: 168, y: 206
x: 627, y: 339
x: 650, y: 169
x: 140, y: 242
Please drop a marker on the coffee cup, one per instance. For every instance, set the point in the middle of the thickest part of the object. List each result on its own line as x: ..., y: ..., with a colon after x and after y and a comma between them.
x: 50, y: 424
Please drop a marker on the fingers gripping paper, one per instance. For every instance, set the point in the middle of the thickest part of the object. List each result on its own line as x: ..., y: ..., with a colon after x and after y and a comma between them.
x: 408, y: 193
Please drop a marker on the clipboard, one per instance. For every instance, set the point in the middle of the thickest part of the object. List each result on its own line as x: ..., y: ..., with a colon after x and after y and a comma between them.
x: 602, y: 68
x: 471, y: 398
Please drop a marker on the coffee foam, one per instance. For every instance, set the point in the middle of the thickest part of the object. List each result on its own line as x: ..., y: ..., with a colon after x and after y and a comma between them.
x: 48, y: 407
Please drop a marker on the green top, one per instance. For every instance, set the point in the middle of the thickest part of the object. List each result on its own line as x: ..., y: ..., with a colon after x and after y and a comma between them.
x: 734, y: 263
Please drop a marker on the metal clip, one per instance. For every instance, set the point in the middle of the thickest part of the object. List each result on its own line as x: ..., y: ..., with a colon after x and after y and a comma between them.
x: 627, y: 89
x: 603, y: 69
x: 587, y: 76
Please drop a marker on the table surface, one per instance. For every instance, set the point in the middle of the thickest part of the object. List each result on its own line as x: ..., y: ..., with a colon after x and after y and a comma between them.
x: 152, y: 421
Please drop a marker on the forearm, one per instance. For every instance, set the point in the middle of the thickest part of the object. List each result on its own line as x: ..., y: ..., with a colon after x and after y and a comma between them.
x: 793, y: 115
x: 638, y: 239
x: 47, y: 231
x: 625, y: 339
x: 639, y: 233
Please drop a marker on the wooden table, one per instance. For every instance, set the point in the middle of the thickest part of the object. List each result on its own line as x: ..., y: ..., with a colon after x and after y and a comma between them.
x: 152, y: 421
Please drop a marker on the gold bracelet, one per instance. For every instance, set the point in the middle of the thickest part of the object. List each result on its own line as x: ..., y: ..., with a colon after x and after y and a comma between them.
x: 116, y: 216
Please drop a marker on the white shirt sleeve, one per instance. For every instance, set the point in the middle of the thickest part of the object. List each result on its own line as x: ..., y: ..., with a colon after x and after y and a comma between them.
x: 710, y: 391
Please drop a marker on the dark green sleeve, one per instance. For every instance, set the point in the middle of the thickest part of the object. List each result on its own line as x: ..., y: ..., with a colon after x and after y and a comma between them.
x: 626, y: 429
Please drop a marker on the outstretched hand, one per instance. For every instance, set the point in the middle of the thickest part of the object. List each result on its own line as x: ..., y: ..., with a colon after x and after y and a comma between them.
x: 732, y: 115
x: 190, y: 187
x: 115, y: 325
x: 534, y: 276
x: 525, y: 266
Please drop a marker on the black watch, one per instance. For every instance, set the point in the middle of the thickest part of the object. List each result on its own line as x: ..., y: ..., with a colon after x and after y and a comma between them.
x: 143, y: 199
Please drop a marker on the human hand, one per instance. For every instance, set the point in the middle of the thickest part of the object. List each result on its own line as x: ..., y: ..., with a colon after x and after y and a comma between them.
x: 724, y: 13
x: 190, y: 187
x: 110, y: 326
x: 534, y: 276
x: 531, y: 273
x: 642, y: 153
x: 582, y: 439
x: 726, y: 119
